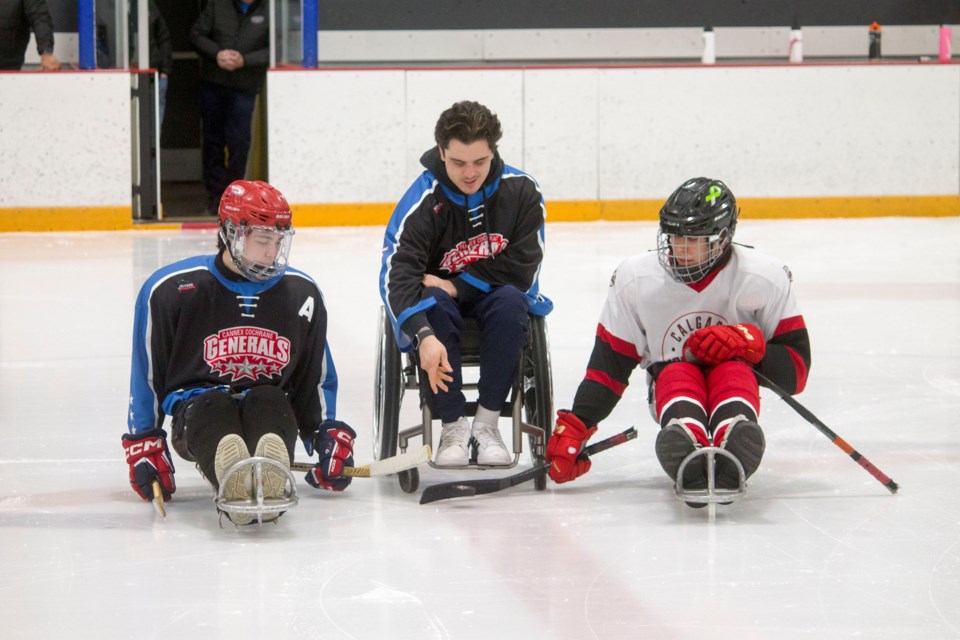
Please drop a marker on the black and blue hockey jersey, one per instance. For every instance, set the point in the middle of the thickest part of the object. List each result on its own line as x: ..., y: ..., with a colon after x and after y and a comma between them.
x: 197, y: 328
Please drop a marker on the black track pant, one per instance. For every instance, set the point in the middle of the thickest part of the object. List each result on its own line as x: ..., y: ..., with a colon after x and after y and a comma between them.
x: 201, y: 422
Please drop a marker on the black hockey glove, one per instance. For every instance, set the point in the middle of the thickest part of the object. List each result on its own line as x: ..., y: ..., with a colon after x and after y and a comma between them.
x: 333, y: 443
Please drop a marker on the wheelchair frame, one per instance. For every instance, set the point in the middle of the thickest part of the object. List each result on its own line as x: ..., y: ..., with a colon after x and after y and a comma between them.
x: 531, y: 397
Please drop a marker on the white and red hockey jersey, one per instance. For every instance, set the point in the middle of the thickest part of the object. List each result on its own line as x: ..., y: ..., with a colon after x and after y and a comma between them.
x: 648, y: 316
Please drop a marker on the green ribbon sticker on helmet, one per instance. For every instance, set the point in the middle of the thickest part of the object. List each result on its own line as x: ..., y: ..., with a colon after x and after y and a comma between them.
x: 715, y: 192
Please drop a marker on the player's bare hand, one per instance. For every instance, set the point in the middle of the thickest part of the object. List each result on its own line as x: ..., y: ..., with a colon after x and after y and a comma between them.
x: 433, y: 360
x: 430, y: 280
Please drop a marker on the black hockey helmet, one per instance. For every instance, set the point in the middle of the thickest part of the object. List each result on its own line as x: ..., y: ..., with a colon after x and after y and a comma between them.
x: 700, y: 207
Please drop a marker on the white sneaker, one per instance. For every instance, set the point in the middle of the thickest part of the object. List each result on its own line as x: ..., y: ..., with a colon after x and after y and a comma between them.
x: 231, y: 450
x: 490, y: 447
x: 454, y: 444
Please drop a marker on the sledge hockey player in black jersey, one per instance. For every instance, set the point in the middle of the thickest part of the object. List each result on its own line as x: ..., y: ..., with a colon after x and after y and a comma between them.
x: 233, y: 347
x: 466, y: 240
x: 699, y: 315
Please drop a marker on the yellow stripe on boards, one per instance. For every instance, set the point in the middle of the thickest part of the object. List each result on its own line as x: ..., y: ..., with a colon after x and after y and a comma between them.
x: 65, y: 219
x: 852, y: 207
x: 377, y: 214
x: 341, y: 215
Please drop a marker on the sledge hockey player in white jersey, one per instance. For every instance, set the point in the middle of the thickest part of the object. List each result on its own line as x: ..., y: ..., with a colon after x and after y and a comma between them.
x: 234, y: 347
x: 466, y: 240
x: 699, y: 315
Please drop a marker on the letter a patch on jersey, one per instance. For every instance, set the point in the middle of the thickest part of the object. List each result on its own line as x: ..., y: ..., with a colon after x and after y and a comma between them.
x: 306, y: 311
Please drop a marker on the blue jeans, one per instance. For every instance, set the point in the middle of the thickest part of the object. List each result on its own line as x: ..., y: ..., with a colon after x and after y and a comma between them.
x: 504, y: 331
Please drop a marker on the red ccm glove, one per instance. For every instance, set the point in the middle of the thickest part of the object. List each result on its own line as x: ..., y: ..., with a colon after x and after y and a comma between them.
x: 720, y: 343
x: 149, y: 460
x: 565, y: 444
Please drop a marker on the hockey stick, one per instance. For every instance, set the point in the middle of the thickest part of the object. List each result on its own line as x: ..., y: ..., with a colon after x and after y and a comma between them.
x: 464, y: 488
x: 384, y: 467
x: 825, y: 430
x: 158, y: 499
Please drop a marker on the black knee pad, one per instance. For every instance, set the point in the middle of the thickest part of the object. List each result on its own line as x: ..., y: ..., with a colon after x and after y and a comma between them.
x: 200, y: 423
x: 266, y: 409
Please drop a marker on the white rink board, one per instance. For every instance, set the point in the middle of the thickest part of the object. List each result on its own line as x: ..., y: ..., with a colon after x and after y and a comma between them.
x: 781, y: 131
x: 337, y: 137
x: 628, y: 133
x: 560, y: 132
x: 65, y: 139
x: 430, y: 92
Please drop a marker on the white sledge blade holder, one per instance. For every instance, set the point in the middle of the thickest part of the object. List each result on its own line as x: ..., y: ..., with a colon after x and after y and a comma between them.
x: 712, y: 494
x: 259, y: 506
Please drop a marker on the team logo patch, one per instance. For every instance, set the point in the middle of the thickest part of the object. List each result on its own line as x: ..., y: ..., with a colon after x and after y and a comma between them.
x: 469, y: 251
x: 185, y: 286
x: 680, y: 329
x: 246, y: 353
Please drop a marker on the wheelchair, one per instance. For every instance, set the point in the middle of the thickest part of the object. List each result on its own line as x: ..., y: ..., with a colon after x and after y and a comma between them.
x: 529, y: 404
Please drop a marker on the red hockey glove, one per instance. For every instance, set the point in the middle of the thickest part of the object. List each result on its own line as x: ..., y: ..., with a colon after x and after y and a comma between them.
x: 149, y: 459
x: 564, y: 447
x: 333, y: 442
x: 719, y: 343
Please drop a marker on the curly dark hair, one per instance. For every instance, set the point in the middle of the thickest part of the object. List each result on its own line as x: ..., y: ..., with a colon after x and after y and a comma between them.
x: 468, y: 121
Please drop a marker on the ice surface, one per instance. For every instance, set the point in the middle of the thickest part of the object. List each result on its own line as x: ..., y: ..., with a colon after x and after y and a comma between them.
x: 817, y: 549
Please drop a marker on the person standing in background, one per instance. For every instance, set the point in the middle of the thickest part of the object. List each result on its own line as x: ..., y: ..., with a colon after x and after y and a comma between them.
x: 232, y: 38
x: 17, y: 19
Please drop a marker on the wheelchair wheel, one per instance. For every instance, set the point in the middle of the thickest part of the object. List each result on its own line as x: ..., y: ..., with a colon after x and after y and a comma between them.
x: 409, y: 480
x: 538, y: 389
x: 387, y: 392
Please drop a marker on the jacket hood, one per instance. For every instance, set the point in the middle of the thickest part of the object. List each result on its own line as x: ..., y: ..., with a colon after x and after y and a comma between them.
x: 432, y: 162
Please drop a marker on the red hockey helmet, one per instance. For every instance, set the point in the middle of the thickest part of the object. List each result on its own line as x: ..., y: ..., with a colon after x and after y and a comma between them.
x: 254, y: 208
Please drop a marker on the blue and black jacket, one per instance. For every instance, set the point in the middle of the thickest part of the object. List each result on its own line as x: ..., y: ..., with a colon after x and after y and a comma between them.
x: 491, y: 238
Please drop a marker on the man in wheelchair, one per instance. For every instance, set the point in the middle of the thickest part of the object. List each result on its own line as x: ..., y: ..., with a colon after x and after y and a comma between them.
x: 465, y: 241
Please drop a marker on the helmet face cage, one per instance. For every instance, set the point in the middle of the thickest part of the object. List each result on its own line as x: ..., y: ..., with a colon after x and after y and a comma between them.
x: 236, y: 236
x: 699, y: 208
x: 253, y: 207
x: 715, y: 249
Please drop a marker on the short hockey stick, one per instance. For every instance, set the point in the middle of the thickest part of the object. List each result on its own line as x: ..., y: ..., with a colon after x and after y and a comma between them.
x: 464, y: 488
x: 158, y: 498
x: 825, y: 430
x: 384, y: 467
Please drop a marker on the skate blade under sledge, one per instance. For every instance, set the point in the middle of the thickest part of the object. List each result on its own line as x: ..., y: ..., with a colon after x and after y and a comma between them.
x: 259, y: 507
x: 712, y: 494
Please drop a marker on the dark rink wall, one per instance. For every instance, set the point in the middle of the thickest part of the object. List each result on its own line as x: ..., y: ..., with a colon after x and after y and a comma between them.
x: 351, y: 15
x: 570, y: 14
